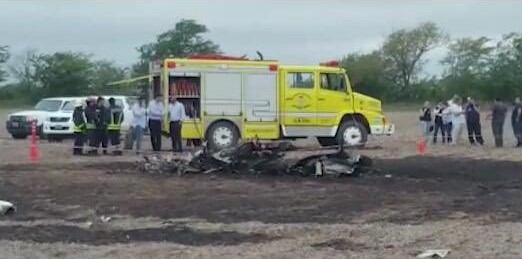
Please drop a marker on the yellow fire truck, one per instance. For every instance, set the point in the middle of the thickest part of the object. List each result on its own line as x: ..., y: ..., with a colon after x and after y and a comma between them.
x: 231, y: 99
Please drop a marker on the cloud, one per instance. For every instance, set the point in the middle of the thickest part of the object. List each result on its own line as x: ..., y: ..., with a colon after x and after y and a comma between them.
x: 297, y: 32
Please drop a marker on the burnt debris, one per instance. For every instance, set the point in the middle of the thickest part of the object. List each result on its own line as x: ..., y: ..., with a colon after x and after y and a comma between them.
x: 255, y: 158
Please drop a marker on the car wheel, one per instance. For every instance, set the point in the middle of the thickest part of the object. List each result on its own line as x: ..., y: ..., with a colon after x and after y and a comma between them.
x: 19, y: 136
x: 352, y: 134
x: 222, y: 135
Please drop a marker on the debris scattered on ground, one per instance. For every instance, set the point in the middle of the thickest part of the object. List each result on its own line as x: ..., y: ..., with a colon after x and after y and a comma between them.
x: 256, y: 158
x: 105, y: 219
x: 6, y: 208
x: 434, y: 253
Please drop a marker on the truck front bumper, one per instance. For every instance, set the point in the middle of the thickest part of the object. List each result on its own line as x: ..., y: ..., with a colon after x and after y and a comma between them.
x: 18, y: 127
x: 58, y: 128
x: 383, y: 129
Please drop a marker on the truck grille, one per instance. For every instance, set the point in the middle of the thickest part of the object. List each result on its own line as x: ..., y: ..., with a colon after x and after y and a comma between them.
x: 18, y: 118
x: 59, y: 119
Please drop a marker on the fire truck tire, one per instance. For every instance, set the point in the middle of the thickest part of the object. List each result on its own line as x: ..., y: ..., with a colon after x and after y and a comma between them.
x: 352, y: 134
x: 221, y: 135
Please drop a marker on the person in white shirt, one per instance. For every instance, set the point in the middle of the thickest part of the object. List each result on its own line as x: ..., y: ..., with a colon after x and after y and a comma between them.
x: 176, y: 115
x: 155, y: 116
x: 139, y: 112
x: 458, y: 119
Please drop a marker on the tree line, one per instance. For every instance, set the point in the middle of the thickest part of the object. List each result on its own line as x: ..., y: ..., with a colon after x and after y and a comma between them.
x: 479, y: 67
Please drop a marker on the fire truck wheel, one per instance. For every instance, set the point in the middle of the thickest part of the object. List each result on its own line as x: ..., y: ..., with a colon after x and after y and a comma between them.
x: 222, y: 135
x: 352, y: 134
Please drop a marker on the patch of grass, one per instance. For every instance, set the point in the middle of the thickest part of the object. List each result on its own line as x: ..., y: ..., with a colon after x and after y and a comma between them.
x: 15, y: 104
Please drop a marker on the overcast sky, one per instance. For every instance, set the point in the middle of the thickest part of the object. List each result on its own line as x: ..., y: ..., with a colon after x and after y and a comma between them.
x: 297, y: 32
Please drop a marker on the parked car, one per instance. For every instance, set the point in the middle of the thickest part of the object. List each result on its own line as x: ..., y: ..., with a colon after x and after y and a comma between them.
x: 59, y: 125
x: 53, y: 117
x: 18, y: 124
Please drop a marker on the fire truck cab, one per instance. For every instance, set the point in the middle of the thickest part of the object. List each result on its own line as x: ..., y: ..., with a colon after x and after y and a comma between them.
x: 230, y: 99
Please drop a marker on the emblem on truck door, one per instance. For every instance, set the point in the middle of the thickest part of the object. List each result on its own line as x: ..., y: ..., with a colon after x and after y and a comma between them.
x: 301, y: 101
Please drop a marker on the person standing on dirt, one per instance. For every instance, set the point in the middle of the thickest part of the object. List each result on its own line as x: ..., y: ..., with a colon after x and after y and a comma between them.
x: 425, y: 120
x: 91, y: 121
x: 446, y: 120
x: 439, y: 123
x: 139, y: 112
x: 498, y: 117
x: 516, y: 121
x: 177, y: 115
x: 458, y: 120
x: 155, y: 117
x: 103, y: 114
x: 473, y: 123
x: 114, y: 127
x: 79, y: 121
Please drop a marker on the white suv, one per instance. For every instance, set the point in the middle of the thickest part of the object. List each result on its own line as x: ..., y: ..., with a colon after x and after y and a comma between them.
x: 18, y: 124
x: 54, y: 117
x: 60, y: 124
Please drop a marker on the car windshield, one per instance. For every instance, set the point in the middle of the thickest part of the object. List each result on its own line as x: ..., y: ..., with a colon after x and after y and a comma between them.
x: 48, y: 105
x: 68, y: 106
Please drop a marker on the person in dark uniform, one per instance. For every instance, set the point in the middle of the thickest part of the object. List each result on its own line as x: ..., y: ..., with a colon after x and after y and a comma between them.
x: 498, y: 117
x: 516, y: 121
x: 103, y: 115
x: 79, y: 128
x: 473, y: 123
x: 90, y: 125
x: 439, y: 123
x: 114, y: 126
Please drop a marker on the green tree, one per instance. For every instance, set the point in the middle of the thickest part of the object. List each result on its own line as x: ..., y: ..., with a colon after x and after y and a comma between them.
x: 4, y: 56
x: 64, y: 73
x: 23, y: 69
x: 185, y: 39
x: 404, y: 52
x: 105, y: 72
x: 505, y: 71
x: 366, y: 73
x: 467, y: 63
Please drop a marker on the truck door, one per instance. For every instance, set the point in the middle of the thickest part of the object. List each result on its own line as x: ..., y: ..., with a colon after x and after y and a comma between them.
x: 299, y: 102
x: 333, y: 98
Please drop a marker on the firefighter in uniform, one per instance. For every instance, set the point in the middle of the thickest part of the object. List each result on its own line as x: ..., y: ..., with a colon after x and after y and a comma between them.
x: 90, y: 125
x: 114, y: 127
x: 79, y: 128
x: 102, y: 114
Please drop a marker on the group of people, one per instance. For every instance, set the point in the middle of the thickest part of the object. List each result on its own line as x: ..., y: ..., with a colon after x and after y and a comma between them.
x: 98, y: 124
x: 451, y: 117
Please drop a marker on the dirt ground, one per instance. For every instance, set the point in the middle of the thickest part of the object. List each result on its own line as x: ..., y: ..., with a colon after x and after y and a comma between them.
x: 463, y: 198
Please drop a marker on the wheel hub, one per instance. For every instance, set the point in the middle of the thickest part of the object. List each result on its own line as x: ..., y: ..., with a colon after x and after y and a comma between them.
x: 223, y: 136
x: 352, y: 136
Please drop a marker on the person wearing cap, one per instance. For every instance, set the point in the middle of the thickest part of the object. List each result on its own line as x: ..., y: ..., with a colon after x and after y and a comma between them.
x: 80, y: 127
x: 176, y: 115
x: 90, y: 125
x: 156, y: 112
x: 114, y: 126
